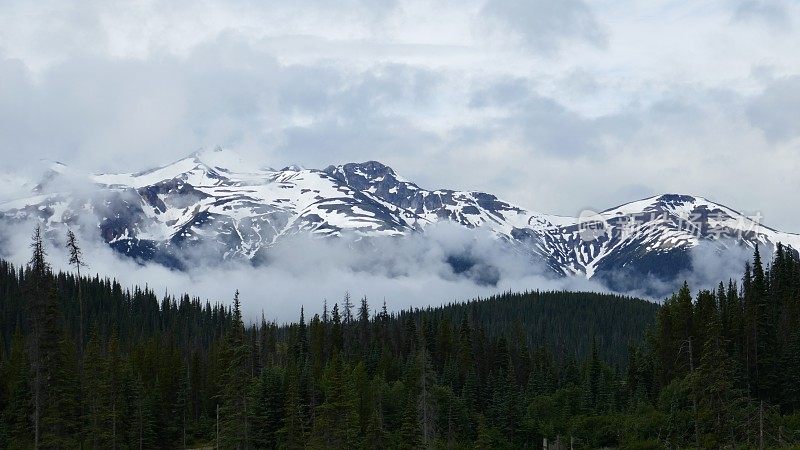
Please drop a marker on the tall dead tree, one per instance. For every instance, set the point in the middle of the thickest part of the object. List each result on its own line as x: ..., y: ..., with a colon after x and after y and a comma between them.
x: 76, y: 259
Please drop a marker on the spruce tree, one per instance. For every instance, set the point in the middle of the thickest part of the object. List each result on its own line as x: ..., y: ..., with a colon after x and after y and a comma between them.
x: 53, y: 380
x: 292, y: 434
x: 234, y: 426
x: 336, y: 423
x: 268, y: 409
x: 16, y: 415
x: 96, y: 412
x: 337, y: 340
x: 594, y: 375
x: 116, y: 389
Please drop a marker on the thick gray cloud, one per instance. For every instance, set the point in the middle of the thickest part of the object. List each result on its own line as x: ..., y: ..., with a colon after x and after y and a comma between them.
x: 122, y: 114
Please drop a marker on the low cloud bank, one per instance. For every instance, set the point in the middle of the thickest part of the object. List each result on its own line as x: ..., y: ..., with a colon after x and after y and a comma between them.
x: 447, y: 263
x: 417, y: 270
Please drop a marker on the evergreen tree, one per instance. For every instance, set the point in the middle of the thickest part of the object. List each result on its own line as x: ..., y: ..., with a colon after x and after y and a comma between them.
x: 594, y: 371
x: 115, y: 389
x: 142, y: 432
x: 97, y: 414
x: 16, y: 414
x: 708, y: 373
x: 268, y: 409
x: 291, y: 435
x: 234, y: 425
x: 336, y: 420
x: 337, y: 340
x: 53, y: 380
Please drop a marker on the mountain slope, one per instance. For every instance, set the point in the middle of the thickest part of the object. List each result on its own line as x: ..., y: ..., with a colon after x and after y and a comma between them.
x: 214, y: 201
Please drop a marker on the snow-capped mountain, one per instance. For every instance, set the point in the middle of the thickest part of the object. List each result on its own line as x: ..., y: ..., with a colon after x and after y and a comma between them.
x: 214, y: 200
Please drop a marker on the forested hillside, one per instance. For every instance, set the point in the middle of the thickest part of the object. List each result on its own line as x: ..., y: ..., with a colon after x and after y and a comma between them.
x: 87, y: 362
x: 724, y: 368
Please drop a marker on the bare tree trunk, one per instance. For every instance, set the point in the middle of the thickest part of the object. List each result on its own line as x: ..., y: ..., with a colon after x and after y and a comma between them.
x: 80, y: 317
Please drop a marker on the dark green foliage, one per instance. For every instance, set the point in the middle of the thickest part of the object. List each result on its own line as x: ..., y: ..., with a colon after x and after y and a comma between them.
x: 726, y: 363
x: 236, y: 382
x: 578, y: 369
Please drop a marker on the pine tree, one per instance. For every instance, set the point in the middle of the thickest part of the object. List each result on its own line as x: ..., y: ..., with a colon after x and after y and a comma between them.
x: 594, y: 374
x: 115, y: 389
x: 732, y: 329
x: 764, y: 333
x: 337, y: 340
x: 375, y: 434
x: 234, y: 426
x: 363, y: 325
x: 684, y: 313
x: 96, y: 414
x: 706, y: 320
x: 53, y: 379
x: 301, y: 350
x: 291, y: 435
x: 720, y: 402
x: 268, y: 409
x: 410, y: 433
x: 317, y: 346
x: 143, y: 433
x: 336, y: 419
x: 16, y: 414
x: 422, y: 381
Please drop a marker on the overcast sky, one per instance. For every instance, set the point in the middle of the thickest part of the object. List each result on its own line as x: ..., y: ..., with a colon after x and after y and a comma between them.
x: 557, y: 106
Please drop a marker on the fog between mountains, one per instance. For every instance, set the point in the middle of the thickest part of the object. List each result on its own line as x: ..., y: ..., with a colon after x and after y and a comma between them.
x: 411, y: 271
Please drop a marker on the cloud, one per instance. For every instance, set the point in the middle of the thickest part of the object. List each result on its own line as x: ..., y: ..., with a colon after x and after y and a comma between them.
x: 448, y: 263
x: 773, y: 111
x: 556, y: 106
x: 542, y: 124
x: 711, y: 265
x: 543, y: 25
x: 128, y: 115
x: 772, y: 13
x: 410, y: 272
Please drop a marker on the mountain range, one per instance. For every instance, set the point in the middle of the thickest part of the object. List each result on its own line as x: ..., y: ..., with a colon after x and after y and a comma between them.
x: 214, y: 200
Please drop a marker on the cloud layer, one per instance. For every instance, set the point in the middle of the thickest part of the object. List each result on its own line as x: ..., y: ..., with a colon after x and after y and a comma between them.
x: 555, y: 106
x: 414, y: 271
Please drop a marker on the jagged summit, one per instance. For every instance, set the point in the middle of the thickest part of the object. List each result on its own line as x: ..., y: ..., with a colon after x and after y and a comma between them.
x: 236, y: 209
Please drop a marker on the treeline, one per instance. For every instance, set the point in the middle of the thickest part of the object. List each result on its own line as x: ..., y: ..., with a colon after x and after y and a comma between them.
x: 85, y: 363
x: 723, y: 368
x: 562, y: 322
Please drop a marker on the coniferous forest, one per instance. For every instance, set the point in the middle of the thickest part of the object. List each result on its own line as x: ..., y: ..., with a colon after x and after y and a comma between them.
x: 88, y: 363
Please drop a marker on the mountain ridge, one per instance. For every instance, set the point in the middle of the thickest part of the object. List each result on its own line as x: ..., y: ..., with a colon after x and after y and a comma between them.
x: 217, y: 200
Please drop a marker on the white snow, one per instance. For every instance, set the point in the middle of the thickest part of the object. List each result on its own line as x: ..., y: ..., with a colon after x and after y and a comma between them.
x: 260, y: 205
